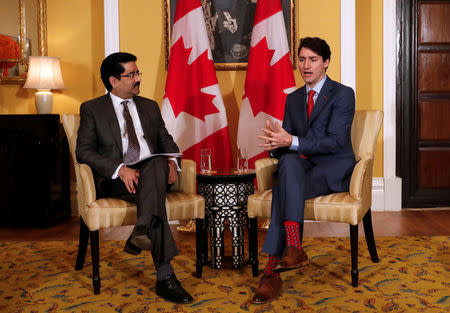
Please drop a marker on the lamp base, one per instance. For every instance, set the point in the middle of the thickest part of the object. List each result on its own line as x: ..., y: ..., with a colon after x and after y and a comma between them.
x: 44, y: 101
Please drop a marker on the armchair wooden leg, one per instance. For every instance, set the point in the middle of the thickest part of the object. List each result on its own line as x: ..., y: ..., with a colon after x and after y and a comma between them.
x: 199, y: 246
x: 370, y: 239
x: 205, y: 243
x: 82, y: 245
x: 95, y: 261
x: 253, y: 244
x: 354, y: 252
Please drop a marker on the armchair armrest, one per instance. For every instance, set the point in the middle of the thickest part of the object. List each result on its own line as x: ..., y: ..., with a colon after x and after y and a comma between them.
x: 87, y: 179
x: 361, y: 182
x: 187, y: 178
x: 265, y: 168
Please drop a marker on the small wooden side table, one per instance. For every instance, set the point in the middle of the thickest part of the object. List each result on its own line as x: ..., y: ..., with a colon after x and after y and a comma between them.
x: 226, y: 192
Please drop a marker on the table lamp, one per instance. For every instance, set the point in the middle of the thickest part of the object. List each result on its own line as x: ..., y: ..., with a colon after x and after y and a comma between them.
x: 44, y: 73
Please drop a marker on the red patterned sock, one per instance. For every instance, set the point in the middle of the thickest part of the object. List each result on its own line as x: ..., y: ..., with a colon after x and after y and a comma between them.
x: 292, y: 234
x: 271, y: 263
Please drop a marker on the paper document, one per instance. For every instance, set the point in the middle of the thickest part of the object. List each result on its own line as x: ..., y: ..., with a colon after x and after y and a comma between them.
x: 171, y: 154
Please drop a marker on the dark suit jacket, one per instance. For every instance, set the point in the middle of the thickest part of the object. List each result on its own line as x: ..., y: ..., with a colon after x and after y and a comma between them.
x: 325, y: 138
x: 99, y: 143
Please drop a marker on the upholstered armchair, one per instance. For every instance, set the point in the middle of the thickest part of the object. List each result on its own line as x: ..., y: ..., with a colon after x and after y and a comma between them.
x: 345, y: 207
x: 182, y: 202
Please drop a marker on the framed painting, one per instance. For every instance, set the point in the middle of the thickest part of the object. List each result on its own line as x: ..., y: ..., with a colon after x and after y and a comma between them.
x: 229, y: 26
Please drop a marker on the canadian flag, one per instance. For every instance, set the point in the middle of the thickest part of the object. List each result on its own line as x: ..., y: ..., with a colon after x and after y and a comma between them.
x: 193, y: 108
x: 269, y: 79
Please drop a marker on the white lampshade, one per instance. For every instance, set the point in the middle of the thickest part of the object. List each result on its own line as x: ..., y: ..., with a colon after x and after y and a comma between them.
x: 44, y: 73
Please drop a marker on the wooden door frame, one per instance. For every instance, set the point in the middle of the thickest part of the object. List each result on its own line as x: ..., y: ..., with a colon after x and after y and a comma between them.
x: 406, y: 115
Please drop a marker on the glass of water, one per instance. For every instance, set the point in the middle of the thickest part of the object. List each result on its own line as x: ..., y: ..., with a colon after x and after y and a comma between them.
x: 242, y: 161
x: 205, y: 161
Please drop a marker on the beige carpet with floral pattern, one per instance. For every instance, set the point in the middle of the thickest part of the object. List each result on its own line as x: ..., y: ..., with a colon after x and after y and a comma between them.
x: 413, y: 276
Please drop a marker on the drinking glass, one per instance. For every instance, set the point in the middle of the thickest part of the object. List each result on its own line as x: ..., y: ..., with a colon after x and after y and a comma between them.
x: 205, y: 161
x: 242, y: 161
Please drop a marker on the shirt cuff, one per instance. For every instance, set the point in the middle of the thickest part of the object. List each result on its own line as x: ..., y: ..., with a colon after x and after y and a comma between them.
x: 116, y: 173
x: 294, y: 145
x: 176, y: 162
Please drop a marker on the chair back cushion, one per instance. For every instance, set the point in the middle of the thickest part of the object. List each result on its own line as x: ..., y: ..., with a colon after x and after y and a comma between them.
x: 365, y: 128
x: 71, y: 123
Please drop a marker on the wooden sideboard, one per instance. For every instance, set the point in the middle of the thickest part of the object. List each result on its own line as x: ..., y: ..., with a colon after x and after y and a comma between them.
x: 34, y: 170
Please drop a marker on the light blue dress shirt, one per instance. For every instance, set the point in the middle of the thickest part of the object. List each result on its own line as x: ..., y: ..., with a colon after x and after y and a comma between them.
x: 316, y: 88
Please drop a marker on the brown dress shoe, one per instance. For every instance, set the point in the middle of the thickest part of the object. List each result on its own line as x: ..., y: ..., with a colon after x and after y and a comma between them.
x: 269, y: 289
x: 292, y: 258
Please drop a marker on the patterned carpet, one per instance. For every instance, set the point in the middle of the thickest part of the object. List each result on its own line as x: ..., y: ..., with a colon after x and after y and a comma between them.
x: 413, y: 276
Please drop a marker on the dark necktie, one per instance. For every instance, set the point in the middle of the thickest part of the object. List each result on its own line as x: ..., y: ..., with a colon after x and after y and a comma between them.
x: 310, y: 102
x: 132, y: 153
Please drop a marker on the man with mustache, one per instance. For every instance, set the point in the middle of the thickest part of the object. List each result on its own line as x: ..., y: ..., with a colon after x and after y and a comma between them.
x: 118, y: 136
x: 315, y: 158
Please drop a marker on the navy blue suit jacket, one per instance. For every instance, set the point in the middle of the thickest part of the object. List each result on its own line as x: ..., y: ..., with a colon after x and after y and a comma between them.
x: 325, y: 137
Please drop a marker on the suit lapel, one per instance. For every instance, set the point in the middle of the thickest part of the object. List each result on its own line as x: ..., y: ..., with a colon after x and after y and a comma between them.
x: 141, y: 114
x: 322, y: 99
x: 303, y: 106
x: 110, y: 115
x: 144, y: 123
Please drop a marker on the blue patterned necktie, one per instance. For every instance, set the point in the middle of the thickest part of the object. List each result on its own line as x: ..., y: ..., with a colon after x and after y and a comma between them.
x: 132, y: 153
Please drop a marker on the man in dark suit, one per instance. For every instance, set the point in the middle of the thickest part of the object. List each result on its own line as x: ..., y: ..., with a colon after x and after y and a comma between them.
x: 315, y: 158
x: 119, y: 135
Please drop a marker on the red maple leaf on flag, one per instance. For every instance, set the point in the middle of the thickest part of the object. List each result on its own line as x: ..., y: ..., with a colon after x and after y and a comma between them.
x: 265, y: 84
x: 184, y: 82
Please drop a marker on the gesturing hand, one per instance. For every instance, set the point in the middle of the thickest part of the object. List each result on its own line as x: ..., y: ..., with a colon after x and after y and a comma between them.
x: 129, y: 177
x: 275, y: 136
x: 230, y: 23
x: 173, y: 173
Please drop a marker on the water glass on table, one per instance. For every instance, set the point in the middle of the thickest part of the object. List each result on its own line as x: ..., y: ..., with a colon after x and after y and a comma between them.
x: 205, y: 161
x: 242, y: 162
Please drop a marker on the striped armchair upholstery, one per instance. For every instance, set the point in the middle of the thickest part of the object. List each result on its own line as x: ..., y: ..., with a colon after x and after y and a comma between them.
x: 345, y: 207
x: 182, y: 202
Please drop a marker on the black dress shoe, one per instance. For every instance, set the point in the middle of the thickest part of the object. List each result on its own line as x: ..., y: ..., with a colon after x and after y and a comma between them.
x: 131, y: 248
x: 171, y: 290
x: 139, y: 238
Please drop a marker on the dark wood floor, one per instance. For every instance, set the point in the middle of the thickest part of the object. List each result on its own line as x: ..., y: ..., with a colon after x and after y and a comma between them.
x: 404, y: 223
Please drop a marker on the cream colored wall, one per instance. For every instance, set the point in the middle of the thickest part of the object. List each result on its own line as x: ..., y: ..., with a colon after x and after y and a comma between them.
x: 75, y: 34
x: 369, y: 65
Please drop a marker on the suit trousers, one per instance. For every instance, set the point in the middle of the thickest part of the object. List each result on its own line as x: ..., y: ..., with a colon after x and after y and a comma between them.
x: 150, y: 199
x: 298, y: 179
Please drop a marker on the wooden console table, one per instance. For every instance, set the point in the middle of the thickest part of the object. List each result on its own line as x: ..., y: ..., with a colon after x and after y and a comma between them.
x: 34, y: 170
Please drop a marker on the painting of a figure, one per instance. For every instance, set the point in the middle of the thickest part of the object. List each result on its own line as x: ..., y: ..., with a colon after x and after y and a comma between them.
x: 229, y: 25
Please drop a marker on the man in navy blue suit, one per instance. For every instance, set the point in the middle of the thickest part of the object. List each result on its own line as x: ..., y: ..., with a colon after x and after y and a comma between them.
x: 315, y: 158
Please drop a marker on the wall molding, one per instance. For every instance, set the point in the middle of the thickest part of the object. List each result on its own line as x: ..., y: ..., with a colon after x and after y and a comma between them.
x: 392, y: 183
x: 378, y: 194
x: 348, y: 43
x: 111, y: 16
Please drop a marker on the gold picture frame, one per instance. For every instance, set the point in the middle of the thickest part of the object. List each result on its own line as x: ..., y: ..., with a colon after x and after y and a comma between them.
x: 231, y: 53
x: 24, y: 42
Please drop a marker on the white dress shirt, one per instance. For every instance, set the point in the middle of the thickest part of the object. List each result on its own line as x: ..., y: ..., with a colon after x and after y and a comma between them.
x: 145, y: 152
